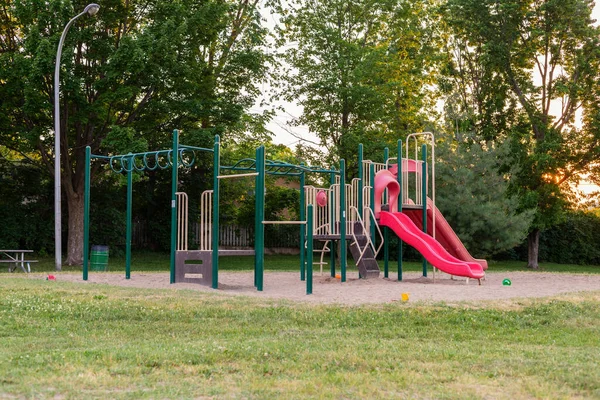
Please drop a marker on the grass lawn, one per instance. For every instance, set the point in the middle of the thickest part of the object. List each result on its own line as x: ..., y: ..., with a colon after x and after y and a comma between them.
x: 72, y: 341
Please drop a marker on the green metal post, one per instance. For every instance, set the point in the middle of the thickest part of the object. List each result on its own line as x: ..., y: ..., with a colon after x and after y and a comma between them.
x: 424, y: 196
x: 309, y: 250
x: 256, y: 218
x: 174, y: 178
x: 361, y: 178
x: 332, y: 243
x: 215, y: 216
x: 259, y: 234
x: 399, y: 178
x: 128, y: 228
x: 343, y: 218
x: 302, y: 227
x: 386, y: 233
x: 372, y: 195
x: 86, y: 212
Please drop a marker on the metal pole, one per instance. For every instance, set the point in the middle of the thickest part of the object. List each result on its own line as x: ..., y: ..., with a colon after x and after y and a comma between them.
x: 343, y: 219
x: 91, y: 9
x: 302, y: 227
x: 86, y: 212
x: 424, y: 197
x: 174, y: 179
x: 215, y: 217
x: 332, y: 250
x: 309, y: 250
x: 259, y: 241
x: 372, y: 191
x: 399, y: 179
x: 386, y: 233
x: 128, y: 227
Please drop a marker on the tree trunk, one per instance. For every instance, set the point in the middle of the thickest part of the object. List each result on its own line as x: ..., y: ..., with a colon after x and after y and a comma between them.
x: 533, y: 241
x: 75, y: 238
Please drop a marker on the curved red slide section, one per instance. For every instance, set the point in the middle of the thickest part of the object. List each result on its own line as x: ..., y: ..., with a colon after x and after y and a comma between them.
x: 384, y: 179
x: 444, y: 233
x: 431, y: 249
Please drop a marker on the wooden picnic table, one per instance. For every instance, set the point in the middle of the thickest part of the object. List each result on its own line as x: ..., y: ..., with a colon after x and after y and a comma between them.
x: 17, y: 259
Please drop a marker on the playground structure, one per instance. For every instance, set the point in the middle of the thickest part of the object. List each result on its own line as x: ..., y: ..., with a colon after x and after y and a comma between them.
x: 384, y: 197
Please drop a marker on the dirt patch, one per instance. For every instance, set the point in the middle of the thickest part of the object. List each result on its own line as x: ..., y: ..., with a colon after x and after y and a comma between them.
x: 328, y: 290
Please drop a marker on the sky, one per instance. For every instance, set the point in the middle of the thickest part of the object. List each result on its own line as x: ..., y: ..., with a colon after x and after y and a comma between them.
x: 289, y: 135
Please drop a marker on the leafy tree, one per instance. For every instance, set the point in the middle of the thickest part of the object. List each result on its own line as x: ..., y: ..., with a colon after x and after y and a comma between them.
x: 25, y: 205
x: 129, y: 76
x: 359, y: 69
x: 282, y: 194
x: 472, y: 195
x: 573, y: 241
x: 536, y: 64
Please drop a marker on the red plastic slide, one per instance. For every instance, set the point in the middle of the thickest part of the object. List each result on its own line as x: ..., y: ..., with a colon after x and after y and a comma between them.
x: 431, y: 249
x: 444, y: 233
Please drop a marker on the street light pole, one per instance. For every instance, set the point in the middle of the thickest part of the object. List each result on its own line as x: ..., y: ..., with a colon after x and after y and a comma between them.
x: 90, y: 9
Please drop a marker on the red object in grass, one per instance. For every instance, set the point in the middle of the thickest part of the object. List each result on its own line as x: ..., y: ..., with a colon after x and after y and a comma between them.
x: 51, y: 278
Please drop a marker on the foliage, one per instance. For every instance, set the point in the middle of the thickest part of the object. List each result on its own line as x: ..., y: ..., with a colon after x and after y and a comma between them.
x: 108, y: 215
x: 26, y: 211
x: 527, y: 67
x: 473, y: 197
x: 281, y: 204
x: 129, y: 76
x: 573, y: 241
x: 139, y: 338
x: 359, y: 69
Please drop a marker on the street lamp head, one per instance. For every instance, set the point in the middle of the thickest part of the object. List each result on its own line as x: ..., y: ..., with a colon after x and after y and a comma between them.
x: 92, y: 9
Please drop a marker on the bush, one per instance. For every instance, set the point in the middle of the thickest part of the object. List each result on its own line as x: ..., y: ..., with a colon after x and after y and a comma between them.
x: 26, y: 207
x: 573, y: 241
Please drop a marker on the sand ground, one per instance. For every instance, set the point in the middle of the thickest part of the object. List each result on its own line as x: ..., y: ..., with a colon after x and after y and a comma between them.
x: 327, y: 290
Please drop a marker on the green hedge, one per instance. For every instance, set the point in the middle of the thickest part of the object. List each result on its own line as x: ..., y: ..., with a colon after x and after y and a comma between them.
x: 574, y: 241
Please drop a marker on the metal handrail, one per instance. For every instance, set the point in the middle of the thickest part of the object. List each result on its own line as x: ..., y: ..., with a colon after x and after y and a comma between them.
x: 372, y: 215
x: 206, y: 204
x: 369, y: 241
x: 182, y: 221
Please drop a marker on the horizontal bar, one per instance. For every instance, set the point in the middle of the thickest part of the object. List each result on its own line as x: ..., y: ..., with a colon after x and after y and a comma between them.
x: 183, y: 146
x: 237, y: 175
x: 285, y: 222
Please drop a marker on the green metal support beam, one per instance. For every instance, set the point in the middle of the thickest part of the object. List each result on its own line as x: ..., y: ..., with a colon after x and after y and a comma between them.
x: 309, y: 250
x: 386, y: 233
x: 174, y: 179
x: 259, y: 233
x: 302, y: 227
x: 343, y: 258
x: 129, y: 217
x: 86, y: 212
x: 424, y: 196
x: 399, y: 179
x: 215, y: 216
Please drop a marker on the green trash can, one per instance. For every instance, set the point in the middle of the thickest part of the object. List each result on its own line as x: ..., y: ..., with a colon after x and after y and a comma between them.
x: 99, y: 258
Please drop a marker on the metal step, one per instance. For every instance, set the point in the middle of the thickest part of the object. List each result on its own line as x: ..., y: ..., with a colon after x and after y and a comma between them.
x: 371, y: 268
x: 367, y: 266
